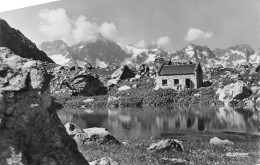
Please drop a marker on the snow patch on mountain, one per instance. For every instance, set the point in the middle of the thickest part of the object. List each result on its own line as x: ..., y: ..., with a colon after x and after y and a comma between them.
x: 60, y: 59
x: 101, y: 64
x: 238, y: 52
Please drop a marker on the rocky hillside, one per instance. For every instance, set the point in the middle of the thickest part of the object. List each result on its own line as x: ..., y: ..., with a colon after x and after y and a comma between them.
x: 19, y: 44
x: 30, y: 130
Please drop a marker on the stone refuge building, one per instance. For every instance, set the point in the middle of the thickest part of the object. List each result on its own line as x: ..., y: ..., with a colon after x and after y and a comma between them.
x: 179, y: 76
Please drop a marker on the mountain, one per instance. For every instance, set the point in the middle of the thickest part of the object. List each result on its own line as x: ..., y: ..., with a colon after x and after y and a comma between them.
x: 196, y: 53
x: 19, y: 44
x: 59, y: 52
x: 102, y: 53
x: 235, y: 55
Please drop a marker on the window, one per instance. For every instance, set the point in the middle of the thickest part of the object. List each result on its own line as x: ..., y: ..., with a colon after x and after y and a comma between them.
x: 164, y: 82
x: 176, y: 81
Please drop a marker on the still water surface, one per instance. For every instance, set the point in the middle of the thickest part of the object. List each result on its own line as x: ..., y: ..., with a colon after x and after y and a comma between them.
x: 157, y: 122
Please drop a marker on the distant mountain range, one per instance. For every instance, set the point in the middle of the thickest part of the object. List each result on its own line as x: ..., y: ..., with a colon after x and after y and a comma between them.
x: 19, y: 44
x: 101, y: 53
x: 104, y: 52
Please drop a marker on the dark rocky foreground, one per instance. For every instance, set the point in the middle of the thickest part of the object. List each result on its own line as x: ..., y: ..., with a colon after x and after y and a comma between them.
x: 30, y: 130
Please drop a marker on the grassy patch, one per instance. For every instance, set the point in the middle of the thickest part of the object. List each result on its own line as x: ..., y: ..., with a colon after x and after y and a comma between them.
x: 196, y: 146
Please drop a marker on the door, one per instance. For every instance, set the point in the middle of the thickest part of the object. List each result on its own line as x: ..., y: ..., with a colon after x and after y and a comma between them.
x: 187, y: 83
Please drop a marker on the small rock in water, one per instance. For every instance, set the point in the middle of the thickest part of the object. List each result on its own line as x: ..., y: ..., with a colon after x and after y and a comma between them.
x: 217, y: 141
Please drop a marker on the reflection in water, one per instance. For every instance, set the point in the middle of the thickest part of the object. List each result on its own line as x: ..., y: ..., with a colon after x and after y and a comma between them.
x: 139, y: 123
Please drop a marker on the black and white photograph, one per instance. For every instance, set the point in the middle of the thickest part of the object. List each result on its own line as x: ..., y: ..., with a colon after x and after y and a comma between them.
x: 129, y: 82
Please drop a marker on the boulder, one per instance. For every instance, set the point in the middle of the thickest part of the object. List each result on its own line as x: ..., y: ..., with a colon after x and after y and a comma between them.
x: 88, y: 66
x: 217, y: 141
x: 124, y: 87
x: 138, y: 76
x: 123, y: 73
x: 88, y: 100
x: 143, y: 70
x: 176, y: 161
x: 104, y: 161
x: 237, y: 91
x: 96, y: 135
x: 258, y: 104
x: 249, y: 104
x: 86, y: 85
x: 30, y: 130
x: 112, y: 82
x: 254, y: 70
x: 166, y: 144
x: 255, y: 89
x: 112, y: 98
x: 111, y: 101
x: 72, y: 129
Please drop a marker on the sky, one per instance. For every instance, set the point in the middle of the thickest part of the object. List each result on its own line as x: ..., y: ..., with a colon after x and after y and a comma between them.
x: 172, y: 24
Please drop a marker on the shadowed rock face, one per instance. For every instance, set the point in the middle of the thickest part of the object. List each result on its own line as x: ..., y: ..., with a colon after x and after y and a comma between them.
x: 30, y: 130
x: 19, y: 44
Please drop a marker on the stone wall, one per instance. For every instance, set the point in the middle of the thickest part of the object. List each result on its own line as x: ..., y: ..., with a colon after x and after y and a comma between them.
x: 170, y: 81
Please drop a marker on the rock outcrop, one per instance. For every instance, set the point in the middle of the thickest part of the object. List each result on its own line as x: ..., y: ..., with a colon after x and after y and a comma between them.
x: 30, y: 130
x: 237, y: 91
x: 144, y: 70
x: 87, y: 85
x: 123, y: 73
x: 19, y: 44
x: 166, y: 144
x: 217, y: 141
x: 76, y: 82
x: 96, y: 135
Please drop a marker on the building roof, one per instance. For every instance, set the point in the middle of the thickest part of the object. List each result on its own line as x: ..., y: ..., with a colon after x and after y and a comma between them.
x: 177, y: 69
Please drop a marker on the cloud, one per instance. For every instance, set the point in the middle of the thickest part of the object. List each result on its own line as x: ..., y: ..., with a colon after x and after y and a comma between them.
x: 84, y: 30
x: 56, y: 24
x: 195, y: 34
x: 163, y: 41
x: 8, y: 5
x: 140, y: 44
x: 108, y: 30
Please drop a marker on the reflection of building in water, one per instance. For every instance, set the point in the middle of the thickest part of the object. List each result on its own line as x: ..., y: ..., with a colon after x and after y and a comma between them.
x: 177, y: 122
x: 131, y: 126
x: 128, y: 124
x: 227, y: 119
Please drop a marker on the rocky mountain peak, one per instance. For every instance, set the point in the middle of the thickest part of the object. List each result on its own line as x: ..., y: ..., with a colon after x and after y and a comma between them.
x: 19, y: 44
